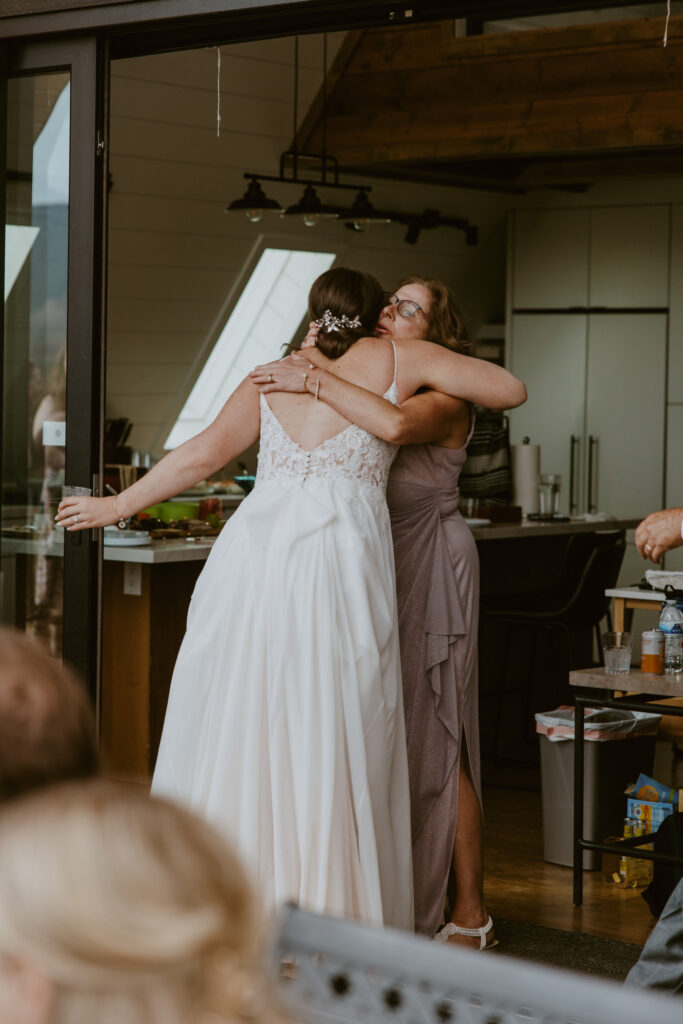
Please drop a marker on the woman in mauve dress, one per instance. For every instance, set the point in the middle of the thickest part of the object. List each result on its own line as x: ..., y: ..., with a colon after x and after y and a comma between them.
x: 437, y: 579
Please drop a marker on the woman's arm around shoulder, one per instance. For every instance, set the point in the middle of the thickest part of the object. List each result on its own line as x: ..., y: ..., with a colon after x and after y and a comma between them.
x: 429, y: 417
x: 424, y: 364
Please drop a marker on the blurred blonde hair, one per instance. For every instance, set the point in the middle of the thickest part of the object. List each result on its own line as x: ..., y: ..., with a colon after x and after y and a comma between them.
x: 135, y: 910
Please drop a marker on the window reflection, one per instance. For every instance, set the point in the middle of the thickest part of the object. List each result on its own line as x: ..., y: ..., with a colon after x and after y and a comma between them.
x: 34, y: 367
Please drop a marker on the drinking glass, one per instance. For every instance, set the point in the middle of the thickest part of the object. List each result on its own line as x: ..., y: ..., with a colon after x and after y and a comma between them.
x: 616, y: 649
x: 549, y: 494
x: 76, y: 492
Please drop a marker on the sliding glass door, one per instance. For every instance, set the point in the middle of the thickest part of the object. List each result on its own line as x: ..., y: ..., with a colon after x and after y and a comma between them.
x: 52, y: 165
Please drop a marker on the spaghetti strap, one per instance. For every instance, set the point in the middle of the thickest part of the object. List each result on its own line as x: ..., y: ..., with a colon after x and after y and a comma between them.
x: 393, y: 343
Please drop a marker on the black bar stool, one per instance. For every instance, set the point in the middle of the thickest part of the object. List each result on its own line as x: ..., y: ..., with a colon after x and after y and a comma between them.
x: 559, y: 622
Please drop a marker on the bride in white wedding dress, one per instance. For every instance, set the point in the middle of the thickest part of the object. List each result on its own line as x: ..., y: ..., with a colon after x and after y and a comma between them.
x: 285, y: 724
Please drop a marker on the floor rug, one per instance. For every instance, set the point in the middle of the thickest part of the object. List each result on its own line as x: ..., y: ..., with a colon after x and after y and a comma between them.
x: 573, y: 951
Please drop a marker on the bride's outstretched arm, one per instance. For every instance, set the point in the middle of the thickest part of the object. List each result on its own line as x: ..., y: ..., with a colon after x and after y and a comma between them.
x: 234, y: 429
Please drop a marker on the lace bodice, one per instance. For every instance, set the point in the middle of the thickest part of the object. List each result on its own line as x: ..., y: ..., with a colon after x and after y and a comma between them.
x: 353, y: 454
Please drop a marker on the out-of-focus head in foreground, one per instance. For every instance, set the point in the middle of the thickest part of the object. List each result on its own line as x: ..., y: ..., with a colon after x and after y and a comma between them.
x: 47, y: 728
x: 120, y: 909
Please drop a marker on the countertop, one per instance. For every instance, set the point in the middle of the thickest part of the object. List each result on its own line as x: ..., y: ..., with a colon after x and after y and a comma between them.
x: 509, y: 531
x: 634, y: 682
x: 198, y: 550
x: 147, y: 554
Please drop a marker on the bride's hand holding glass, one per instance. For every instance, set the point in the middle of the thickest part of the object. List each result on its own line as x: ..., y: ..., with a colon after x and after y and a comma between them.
x: 81, y: 513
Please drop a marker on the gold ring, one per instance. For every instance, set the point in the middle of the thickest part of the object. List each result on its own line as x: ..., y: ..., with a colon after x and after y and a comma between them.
x: 305, y: 376
x: 648, y: 547
x: 270, y: 378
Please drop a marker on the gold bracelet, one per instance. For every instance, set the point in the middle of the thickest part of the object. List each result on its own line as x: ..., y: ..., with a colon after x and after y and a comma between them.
x: 122, y: 523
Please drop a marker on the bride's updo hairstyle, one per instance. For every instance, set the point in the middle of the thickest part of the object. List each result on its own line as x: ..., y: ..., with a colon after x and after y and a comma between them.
x: 445, y: 321
x: 345, y: 305
x: 127, y: 910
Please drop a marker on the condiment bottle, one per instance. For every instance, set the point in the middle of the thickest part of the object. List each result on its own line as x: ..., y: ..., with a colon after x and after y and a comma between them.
x: 652, y: 652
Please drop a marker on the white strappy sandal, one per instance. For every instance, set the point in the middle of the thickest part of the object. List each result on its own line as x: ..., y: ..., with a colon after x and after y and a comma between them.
x: 454, y: 929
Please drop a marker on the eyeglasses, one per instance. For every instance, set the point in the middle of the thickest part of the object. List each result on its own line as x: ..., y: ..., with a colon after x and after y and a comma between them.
x: 404, y: 307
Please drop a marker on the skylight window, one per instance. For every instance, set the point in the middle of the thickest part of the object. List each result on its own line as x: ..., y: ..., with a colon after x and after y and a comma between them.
x: 265, y: 317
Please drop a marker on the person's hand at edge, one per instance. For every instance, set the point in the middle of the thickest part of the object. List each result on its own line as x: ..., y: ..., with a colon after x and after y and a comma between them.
x: 660, y: 532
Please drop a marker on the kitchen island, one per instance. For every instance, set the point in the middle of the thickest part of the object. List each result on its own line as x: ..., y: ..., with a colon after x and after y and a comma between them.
x: 147, y: 590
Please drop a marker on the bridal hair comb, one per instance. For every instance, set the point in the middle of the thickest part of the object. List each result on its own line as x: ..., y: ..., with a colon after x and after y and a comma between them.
x: 329, y: 322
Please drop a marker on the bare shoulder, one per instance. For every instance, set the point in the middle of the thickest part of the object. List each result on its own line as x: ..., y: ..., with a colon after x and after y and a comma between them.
x: 367, y: 348
x: 418, y: 348
x: 370, y: 362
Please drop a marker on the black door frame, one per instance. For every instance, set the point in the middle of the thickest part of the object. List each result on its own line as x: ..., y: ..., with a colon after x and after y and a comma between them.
x: 86, y: 59
x: 177, y: 24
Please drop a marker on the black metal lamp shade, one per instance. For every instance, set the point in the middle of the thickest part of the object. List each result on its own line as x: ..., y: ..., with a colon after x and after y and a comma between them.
x: 254, y: 203
x: 311, y: 208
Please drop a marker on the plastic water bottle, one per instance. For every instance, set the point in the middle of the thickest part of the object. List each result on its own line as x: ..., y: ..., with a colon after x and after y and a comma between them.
x: 671, y: 625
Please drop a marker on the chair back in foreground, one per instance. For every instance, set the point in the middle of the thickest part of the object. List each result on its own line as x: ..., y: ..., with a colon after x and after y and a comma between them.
x: 341, y: 972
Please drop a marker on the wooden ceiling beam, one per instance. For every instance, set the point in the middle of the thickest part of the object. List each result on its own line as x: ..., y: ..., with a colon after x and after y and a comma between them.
x: 422, y: 95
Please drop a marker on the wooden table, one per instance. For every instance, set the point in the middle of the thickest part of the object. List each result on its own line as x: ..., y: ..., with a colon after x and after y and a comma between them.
x: 640, y: 691
x: 630, y: 599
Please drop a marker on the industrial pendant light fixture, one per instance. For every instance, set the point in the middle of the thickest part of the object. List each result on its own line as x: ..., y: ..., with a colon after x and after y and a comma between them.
x: 361, y: 213
x: 310, y: 207
x: 254, y: 203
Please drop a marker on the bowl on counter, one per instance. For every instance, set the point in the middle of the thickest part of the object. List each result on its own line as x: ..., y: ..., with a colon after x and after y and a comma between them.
x: 170, y: 511
x: 246, y: 482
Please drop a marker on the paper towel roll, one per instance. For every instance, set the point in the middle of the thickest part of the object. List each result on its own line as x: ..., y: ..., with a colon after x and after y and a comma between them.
x: 526, y: 473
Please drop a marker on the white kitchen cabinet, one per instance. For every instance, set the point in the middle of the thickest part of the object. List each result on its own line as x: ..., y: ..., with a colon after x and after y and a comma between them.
x: 548, y: 352
x: 549, y: 253
x: 615, y: 257
x: 674, y: 477
x: 596, y: 387
x: 626, y: 411
x: 676, y: 312
x: 629, y: 257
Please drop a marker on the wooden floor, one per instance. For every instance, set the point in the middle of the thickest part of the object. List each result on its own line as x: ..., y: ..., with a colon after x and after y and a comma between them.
x: 521, y: 886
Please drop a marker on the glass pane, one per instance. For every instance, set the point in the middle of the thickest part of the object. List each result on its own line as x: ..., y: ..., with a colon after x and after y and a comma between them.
x: 34, y: 357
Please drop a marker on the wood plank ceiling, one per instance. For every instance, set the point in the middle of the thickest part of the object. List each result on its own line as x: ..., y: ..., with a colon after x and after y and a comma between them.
x: 516, y: 110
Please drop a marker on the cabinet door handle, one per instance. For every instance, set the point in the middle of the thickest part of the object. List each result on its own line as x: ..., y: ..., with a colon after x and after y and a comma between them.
x: 592, y: 463
x: 573, y: 447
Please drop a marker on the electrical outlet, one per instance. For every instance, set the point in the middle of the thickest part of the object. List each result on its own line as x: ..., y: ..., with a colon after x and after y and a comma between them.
x: 132, y: 578
x: 54, y: 433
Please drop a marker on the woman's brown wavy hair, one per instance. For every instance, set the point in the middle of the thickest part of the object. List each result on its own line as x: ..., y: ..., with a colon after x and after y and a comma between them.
x: 445, y: 322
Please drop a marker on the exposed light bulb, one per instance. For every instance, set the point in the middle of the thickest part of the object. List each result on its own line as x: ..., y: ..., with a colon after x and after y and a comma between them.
x: 360, y: 224
x: 254, y: 215
x: 310, y: 219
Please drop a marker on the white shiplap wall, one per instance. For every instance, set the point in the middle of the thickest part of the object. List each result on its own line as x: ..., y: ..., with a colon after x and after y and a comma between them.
x: 174, y: 256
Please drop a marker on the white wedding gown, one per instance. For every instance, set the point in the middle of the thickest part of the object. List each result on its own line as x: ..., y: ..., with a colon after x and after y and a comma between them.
x: 285, y: 722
